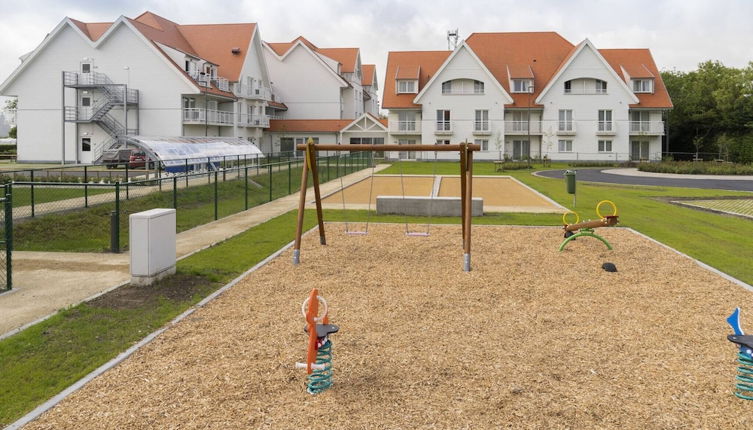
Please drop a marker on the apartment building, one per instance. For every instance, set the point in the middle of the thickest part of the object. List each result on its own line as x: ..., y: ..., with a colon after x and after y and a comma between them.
x: 88, y: 84
x: 529, y: 95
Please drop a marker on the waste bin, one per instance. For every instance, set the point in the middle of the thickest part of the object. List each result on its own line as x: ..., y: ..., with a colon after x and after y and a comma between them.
x: 570, y: 181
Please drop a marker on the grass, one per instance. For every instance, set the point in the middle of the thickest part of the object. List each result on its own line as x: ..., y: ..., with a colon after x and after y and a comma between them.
x: 88, y: 229
x: 718, y: 240
x: 46, y: 358
x: 697, y: 168
x: 42, y: 194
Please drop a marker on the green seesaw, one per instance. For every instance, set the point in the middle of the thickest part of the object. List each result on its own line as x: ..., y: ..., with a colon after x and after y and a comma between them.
x: 586, y: 228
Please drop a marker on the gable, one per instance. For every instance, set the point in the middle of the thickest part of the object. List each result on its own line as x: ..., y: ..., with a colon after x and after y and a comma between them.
x: 366, y: 123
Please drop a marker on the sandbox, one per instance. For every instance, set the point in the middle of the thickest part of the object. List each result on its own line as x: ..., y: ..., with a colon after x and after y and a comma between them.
x: 500, y: 193
x: 532, y: 337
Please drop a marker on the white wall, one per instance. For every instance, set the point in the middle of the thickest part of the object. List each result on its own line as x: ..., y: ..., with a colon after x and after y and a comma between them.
x: 306, y: 86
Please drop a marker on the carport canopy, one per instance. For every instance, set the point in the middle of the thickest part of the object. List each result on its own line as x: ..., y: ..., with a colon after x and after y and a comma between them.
x: 174, y: 151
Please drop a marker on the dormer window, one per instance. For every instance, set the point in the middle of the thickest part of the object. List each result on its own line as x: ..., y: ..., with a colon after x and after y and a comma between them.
x: 462, y: 86
x: 407, y: 86
x: 522, y: 85
x: 601, y: 86
x: 585, y: 86
x: 478, y: 87
x: 643, y: 85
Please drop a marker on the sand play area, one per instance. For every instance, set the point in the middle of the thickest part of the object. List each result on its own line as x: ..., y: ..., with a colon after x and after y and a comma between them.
x: 531, y: 338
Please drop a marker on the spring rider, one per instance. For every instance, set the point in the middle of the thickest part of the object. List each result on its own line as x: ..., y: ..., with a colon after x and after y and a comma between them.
x: 318, y: 363
x: 744, y: 385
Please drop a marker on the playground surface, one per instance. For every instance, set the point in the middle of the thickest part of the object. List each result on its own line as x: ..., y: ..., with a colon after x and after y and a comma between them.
x: 500, y: 193
x: 514, y: 343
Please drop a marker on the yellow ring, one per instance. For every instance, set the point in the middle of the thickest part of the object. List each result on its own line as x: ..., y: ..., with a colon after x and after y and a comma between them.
x: 564, y: 217
x: 614, y: 208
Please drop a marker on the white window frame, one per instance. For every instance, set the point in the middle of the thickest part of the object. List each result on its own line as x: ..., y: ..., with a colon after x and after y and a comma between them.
x: 565, y: 145
x: 483, y: 142
x: 643, y: 86
x: 605, y: 145
x: 478, y: 87
x: 522, y: 85
x: 600, y: 86
x: 442, y: 142
x: 565, y: 122
x: 481, y: 120
x: 447, y: 87
x: 605, y: 120
x: 445, y: 123
x: 407, y: 86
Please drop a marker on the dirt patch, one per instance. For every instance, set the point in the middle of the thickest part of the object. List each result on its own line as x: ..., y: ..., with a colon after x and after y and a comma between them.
x: 178, y: 287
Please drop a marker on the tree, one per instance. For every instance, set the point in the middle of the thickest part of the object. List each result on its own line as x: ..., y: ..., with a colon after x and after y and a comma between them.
x: 11, y: 104
x: 12, y: 132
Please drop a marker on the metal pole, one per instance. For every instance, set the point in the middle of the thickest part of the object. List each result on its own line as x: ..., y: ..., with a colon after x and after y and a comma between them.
x: 175, y: 192
x: 8, y: 241
x: 209, y: 177
x: 31, y: 175
x: 86, y: 187
x: 186, y: 172
x: 290, y: 180
x: 127, y: 179
x: 62, y: 116
x: 245, y: 192
x: 269, y: 167
x: 224, y: 169
x: 216, y: 196
x: 115, y: 222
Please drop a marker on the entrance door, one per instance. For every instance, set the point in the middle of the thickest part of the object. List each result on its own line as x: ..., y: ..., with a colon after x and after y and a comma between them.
x: 520, y: 149
x: 638, y: 150
x: 86, y: 150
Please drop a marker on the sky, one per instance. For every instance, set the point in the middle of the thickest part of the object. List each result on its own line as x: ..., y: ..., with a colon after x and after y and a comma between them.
x: 680, y: 33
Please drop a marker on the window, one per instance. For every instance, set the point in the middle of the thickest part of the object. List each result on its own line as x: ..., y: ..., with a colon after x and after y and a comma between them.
x: 286, y: 144
x: 566, y: 146
x: 86, y: 101
x: 86, y: 144
x: 406, y: 86
x: 568, y: 87
x: 605, y: 120
x: 639, y: 121
x: 601, y: 87
x: 566, y: 120
x: 86, y: 67
x: 189, y: 103
x: 605, y: 146
x: 522, y: 85
x: 520, y: 121
x: 482, y: 121
x: 366, y: 140
x: 478, y: 87
x: 483, y: 142
x: 521, y: 149
x: 643, y: 85
x: 406, y: 155
x: 447, y: 87
x: 443, y: 120
x: 406, y: 121
x: 443, y: 142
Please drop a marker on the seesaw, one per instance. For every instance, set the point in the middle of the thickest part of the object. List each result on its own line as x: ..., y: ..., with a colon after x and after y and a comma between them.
x: 586, y: 228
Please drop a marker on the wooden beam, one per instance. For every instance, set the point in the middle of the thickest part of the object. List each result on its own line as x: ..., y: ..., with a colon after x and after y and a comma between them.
x: 301, y: 211
x: 317, y: 196
x: 468, y: 213
x: 462, y: 192
x: 354, y: 147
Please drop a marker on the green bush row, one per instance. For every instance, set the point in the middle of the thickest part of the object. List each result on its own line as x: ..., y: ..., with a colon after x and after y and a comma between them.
x: 697, y: 168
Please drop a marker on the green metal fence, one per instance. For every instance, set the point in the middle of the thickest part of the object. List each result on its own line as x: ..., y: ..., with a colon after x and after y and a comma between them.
x: 200, y: 197
x: 6, y: 244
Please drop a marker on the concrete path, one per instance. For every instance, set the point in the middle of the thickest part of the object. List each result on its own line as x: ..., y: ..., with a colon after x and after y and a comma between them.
x: 713, y: 182
x: 45, y: 282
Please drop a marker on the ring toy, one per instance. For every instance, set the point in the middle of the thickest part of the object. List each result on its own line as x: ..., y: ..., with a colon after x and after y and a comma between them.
x: 564, y: 217
x: 322, y: 301
x: 614, y: 208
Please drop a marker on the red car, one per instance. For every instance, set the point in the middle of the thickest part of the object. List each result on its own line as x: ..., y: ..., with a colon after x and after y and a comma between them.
x: 138, y: 159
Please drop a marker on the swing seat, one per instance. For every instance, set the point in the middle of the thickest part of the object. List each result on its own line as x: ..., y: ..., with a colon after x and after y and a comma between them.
x: 417, y: 233
x: 357, y: 233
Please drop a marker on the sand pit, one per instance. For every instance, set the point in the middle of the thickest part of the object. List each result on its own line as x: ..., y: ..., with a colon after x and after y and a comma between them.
x: 500, y: 193
x: 531, y: 338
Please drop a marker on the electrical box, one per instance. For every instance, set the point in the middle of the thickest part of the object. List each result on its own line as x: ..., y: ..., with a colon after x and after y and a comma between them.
x: 151, y: 240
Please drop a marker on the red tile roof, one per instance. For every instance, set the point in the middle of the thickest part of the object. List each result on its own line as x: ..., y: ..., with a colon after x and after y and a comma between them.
x: 368, y: 72
x: 640, y: 57
x: 277, y: 105
x: 427, y: 61
x: 308, y: 125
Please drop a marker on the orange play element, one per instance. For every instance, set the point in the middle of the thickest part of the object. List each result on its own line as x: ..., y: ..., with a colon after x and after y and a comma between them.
x: 311, y: 315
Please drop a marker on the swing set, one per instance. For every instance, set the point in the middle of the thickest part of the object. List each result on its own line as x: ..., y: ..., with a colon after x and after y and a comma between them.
x: 465, y: 150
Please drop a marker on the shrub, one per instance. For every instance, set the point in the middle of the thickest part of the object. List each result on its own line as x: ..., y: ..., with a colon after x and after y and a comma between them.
x: 697, y: 168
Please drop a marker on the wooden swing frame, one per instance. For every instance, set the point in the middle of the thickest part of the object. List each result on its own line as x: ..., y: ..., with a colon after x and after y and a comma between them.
x: 466, y: 185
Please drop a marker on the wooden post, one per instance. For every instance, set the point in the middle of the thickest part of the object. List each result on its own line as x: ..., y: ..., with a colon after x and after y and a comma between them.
x: 317, y: 196
x: 301, y: 210
x: 463, y: 151
x: 468, y: 210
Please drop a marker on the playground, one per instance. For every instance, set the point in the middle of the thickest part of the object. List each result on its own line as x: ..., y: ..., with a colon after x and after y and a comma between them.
x: 500, y: 193
x: 531, y: 337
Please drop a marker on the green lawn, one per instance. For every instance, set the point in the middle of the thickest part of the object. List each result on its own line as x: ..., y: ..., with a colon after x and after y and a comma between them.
x: 720, y: 241
x: 46, y: 358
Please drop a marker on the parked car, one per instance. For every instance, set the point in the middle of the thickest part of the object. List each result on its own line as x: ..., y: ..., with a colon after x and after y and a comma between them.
x: 113, y: 158
x: 138, y: 159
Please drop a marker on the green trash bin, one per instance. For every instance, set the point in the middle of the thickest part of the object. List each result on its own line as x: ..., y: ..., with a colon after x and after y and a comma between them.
x: 570, y: 181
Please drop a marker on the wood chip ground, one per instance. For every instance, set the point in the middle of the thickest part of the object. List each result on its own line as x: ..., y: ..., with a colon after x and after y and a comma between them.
x: 531, y: 338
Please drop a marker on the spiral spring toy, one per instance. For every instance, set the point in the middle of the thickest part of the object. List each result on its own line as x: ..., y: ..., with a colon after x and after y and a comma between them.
x: 318, y: 363
x: 744, y: 378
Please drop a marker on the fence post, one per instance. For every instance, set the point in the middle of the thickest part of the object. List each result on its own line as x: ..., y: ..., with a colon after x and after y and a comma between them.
x: 8, y: 241
x: 328, y: 157
x: 115, y: 222
x: 86, y: 187
x: 238, y: 166
x: 175, y: 192
x: 186, y: 172
x: 209, y: 175
x: 127, y: 180
x: 216, y: 196
x: 159, y: 176
x: 290, y: 180
x: 245, y: 193
x: 224, y: 169
x: 31, y: 192
x: 269, y: 167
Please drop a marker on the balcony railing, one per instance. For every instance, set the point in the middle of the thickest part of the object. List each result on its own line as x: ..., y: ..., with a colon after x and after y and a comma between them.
x: 522, y: 127
x: 565, y: 127
x: 253, y: 120
x: 93, y: 78
x: 203, y: 116
x: 201, y: 78
x: 405, y: 127
x: 462, y: 91
x: 255, y: 93
x: 585, y: 91
x: 606, y: 128
x: 221, y: 83
x: 481, y: 127
x: 647, y: 127
x: 443, y: 127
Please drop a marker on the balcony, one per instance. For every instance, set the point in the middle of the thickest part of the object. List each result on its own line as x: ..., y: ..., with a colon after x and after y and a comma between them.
x: 77, y: 79
x: 221, y: 83
x: 405, y: 127
x: 482, y: 128
x: 586, y: 91
x: 253, y: 93
x: 522, y: 127
x: 647, y: 128
x: 210, y: 117
x: 606, y: 128
x: 253, y: 120
x: 565, y: 128
x: 443, y: 128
